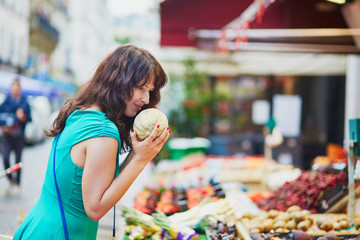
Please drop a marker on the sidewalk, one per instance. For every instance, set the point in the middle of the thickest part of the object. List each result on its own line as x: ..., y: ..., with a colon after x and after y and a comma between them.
x: 14, y: 207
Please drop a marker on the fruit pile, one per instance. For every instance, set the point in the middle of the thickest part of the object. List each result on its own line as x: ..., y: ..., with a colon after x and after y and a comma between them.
x: 175, y: 200
x: 153, y: 200
x: 306, y: 191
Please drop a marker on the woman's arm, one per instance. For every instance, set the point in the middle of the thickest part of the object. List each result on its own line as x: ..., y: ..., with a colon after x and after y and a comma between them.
x: 100, y: 191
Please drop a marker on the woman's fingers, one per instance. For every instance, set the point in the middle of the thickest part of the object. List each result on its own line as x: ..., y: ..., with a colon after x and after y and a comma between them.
x: 151, y: 146
x: 154, y: 132
x: 160, y: 140
x: 164, y: 136
x: 153, y: 141
x: 133, y: 135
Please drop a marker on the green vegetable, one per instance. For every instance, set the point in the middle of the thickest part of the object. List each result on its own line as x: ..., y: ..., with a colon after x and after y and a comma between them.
x: 156, y: 236
x: 135, y: 217
x: 175, y: 231
x: 137, y: 233
x: 202, y: 225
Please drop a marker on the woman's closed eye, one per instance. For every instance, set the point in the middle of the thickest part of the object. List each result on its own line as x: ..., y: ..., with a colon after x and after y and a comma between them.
x: 145, y: 89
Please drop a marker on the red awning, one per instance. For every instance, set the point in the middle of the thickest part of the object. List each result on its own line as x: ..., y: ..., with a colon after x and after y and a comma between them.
x: 181, y: 17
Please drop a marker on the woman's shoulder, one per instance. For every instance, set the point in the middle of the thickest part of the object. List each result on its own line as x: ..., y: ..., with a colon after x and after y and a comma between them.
x: 91, y: 120
x: 87, y: 115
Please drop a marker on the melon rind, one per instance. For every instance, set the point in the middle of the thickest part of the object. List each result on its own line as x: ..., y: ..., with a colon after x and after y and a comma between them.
x: 146, y: 120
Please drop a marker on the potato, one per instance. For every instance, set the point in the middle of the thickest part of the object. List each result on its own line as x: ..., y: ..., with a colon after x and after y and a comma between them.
x: 256, y: 224
x: 303, y: 225
x: 344, y: 224
x: 319, y: 222
x: 291, y: 224
x: 319, y: 232
x: 262, y: 215
x: 273, y: 213
x: 282, y: 230
x: 282, y: 217
x: 268, y: 225
x: 310, y: 219
x: 336, y: 226
x: 306, y: 212
x: 343, y: 217
x: 279, y: 224
x: 298, y: 216
x: 327, y: 226
x: 293, y: 208
x: 357, y: 222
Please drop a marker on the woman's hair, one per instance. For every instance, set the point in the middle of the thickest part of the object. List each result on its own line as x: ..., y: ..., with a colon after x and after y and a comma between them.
x: 126, y: 68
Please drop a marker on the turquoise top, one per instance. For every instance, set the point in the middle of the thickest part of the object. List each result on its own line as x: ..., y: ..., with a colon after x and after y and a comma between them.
x: 44, y: 220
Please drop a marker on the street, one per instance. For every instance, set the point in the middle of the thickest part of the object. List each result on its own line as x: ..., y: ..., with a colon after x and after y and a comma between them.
x: 14, y: 207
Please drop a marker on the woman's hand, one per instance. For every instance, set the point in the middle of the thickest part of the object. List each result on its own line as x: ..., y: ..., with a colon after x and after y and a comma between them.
x: 144, y: 151
x: 100, y: 190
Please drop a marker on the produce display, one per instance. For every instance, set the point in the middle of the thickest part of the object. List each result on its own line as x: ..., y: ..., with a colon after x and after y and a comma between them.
x: 299, y: 224
x: 156, y: 226
x: 207, y: 207
x: 175, y: 200
x: 174, y: 230
x: 306, y: 191
x: 220, y: 219
x: 153, y: 200
x: 216, y: 229
x: 145, y: 121
x: 182, y: 201
x: 334, y: 154
x: 295, y: 235
x: 294, y: 218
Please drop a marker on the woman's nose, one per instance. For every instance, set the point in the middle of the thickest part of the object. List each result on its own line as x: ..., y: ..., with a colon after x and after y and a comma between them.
x: 145, y: 98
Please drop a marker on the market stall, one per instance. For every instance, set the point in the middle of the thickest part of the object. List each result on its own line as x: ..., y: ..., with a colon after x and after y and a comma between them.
x: 241, y: 197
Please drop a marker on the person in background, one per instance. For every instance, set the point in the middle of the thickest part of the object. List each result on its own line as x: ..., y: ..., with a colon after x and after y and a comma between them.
x: 83, y: 180
x: 15, y: 113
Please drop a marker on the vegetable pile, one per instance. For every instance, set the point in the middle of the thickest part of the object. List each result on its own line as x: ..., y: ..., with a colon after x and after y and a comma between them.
x: 220, y: 230
x: 157, y: 226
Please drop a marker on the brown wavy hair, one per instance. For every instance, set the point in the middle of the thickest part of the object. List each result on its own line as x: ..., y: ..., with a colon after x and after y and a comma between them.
x: 126, y: 68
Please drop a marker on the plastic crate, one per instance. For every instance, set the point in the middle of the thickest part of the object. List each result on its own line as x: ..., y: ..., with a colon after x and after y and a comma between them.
x: 181, y: 147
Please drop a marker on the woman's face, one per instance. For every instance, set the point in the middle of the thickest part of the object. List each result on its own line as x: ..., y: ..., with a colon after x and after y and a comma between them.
x: 141, y: 97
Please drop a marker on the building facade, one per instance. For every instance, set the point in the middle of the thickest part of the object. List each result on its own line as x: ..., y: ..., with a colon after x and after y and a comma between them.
x: 67, y: 39
x: 14, y: 40
x: 91, y: 37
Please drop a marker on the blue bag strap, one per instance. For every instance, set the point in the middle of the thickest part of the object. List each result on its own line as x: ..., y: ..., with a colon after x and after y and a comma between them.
x: 58, y: 194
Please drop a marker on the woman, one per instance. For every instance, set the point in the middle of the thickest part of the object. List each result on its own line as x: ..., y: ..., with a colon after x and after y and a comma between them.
x: 92, y: 128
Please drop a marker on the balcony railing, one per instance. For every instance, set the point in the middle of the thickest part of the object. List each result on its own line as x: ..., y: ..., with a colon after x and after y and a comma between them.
x: 39, y: 21
x: 42, y: 34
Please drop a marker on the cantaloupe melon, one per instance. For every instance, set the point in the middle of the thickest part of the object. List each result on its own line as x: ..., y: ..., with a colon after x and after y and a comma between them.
x: 147, y: 119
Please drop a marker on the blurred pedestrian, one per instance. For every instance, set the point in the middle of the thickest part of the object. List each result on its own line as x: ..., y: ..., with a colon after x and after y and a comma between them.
x: 15, y: 114
x: 83, y: 179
